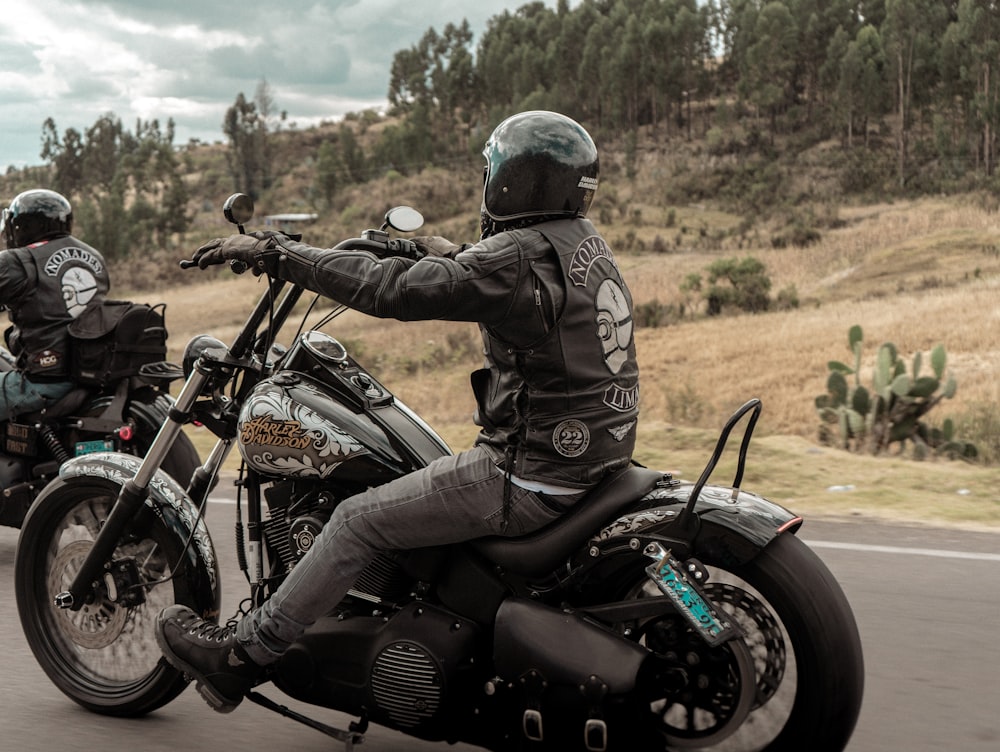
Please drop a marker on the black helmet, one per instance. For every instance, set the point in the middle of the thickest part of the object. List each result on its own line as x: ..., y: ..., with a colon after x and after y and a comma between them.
x: 538, y: 165
x: 36, y: 215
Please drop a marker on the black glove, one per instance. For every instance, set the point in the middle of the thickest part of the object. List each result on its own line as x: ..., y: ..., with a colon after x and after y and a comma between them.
x: 234, y: 248
x: 435, y: 245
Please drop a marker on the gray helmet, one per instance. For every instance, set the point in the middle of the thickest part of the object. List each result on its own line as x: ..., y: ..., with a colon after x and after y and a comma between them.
x: 539, y: 165
x: 34, y: 215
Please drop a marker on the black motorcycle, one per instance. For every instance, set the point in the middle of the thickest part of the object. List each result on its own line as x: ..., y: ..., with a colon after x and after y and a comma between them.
x: 659, y: 614
x: 118, y: 409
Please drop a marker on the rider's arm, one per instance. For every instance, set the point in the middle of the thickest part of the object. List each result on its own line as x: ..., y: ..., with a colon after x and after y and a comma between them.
x: 478, y: 284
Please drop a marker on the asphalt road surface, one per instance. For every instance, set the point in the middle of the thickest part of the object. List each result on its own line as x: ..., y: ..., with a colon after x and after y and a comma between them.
x: 927, y: 603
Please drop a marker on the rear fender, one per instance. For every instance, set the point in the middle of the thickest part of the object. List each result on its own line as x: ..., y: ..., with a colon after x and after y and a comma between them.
x: 733, y: 525
x: 171, y: 504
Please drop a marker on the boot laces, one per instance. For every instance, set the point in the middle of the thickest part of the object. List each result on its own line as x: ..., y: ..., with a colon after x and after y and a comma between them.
x: 207, y: 631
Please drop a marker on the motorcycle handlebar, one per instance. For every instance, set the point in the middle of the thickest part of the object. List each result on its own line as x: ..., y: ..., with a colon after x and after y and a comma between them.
x: 237, y: 267
x: 388, y: 247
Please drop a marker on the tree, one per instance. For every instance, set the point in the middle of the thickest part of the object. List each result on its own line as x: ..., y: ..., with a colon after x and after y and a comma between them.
x: 328, y: 170
x: 970, y: 51
x: 126, y: 188
x: 909, y: 34
x: 246, y: 132
x: 102, y: 150
x: 248, y: 125
x: 694, y: 29
x: 770, y: 61
x: 65, y: 156
x: 410, y: 77
x: 862, y: 85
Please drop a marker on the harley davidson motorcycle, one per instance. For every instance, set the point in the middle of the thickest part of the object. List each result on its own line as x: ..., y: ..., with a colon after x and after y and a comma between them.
x: 122, y: 416
x: 660, y: 614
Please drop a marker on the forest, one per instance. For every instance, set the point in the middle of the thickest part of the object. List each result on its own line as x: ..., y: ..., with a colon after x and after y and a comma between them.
x: 902, y: 94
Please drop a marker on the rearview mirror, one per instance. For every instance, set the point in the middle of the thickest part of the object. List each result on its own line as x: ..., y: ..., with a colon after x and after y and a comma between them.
x: 403, y: 219
x: 238, y: 208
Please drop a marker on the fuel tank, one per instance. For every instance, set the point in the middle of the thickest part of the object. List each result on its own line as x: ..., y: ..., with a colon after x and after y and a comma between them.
x: 323, y: 416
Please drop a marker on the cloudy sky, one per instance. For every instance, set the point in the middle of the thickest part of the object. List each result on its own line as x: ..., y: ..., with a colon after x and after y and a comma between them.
x: 74, y: 60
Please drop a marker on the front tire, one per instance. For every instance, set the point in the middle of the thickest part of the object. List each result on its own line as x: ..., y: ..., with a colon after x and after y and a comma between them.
x: 103, y: 656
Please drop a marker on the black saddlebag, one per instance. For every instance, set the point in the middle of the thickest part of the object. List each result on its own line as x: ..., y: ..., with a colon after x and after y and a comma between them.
x: 567, y: 673
x: 113, y: 339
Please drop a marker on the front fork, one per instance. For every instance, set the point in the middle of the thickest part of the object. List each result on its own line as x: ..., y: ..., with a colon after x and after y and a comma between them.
x: 135, y: 491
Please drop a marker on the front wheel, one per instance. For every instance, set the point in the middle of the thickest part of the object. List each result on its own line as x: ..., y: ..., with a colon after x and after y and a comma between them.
x: 802, y: 640
x: 103, y: 656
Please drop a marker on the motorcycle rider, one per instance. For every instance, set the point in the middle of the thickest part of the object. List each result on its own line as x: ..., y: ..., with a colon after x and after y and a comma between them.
x: 47, y: 278
x: 557, y: 400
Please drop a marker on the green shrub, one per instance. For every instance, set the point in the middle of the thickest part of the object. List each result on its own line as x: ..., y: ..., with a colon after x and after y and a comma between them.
x: 745, y: 285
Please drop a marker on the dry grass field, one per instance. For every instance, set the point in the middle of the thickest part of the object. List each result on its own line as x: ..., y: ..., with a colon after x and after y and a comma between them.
x: 913, y: 273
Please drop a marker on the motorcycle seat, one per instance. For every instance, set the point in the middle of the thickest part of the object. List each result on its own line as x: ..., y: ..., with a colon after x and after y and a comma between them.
x: 540, y: 552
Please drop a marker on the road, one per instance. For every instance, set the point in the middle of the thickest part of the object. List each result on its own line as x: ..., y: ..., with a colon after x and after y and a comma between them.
x: 927, y: 603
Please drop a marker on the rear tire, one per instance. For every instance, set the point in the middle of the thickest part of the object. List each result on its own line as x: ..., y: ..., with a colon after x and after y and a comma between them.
x: 824, y: 638
x: 103, y: 656
x: 182, y: 460
x: 804, y: 644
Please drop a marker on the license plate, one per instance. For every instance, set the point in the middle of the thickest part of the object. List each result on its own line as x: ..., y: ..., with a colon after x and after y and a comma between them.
x: 97, y: 445
x: 668, y: 574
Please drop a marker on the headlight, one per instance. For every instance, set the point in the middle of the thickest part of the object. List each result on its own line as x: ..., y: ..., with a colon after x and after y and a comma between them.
x: 196, y: 347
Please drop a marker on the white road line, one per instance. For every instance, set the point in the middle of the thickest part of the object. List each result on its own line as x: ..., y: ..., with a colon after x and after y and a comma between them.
x: 940, y: 553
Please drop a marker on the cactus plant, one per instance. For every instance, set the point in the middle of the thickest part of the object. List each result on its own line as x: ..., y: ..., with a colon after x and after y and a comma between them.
x: 891, y: 412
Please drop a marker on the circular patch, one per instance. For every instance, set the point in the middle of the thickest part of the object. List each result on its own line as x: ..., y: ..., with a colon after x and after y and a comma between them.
x: 571, y: 438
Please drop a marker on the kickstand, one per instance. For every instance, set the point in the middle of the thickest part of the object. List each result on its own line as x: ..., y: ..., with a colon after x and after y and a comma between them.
x: 355, y: 734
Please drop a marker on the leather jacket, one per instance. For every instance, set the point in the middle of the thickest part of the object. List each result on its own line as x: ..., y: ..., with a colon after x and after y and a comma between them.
x: 558, y: 396
x: 44, y: 286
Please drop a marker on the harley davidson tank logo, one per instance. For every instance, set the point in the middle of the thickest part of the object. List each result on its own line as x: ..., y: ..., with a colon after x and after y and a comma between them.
x: 265, y: 431
x: 571, y: 438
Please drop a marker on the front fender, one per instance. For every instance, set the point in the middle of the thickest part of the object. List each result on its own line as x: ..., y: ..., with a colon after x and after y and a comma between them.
x: 169, y: 502
x: 734, y: 525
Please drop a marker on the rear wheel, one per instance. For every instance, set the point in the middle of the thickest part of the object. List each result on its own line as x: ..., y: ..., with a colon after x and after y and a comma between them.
x: 181, y: 461
x: 146, y: 412
x: 804, y: 648
x: 104, y: 656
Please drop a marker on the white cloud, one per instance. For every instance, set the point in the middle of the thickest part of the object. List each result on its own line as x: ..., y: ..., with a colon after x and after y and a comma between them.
x: 75, y: 60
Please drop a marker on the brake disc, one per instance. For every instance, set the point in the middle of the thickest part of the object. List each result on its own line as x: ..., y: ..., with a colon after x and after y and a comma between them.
x: 100, y: 621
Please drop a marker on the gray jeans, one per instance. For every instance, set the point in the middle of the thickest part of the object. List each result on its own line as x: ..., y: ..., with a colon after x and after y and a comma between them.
x: 454, y: 499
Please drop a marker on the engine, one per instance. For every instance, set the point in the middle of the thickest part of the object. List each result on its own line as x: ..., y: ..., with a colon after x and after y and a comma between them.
x: 296, y: 513
x: 417, y: 670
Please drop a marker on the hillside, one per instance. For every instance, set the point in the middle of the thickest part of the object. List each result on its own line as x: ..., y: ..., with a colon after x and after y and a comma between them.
x: 916, y: 272
x: 905, y: 271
